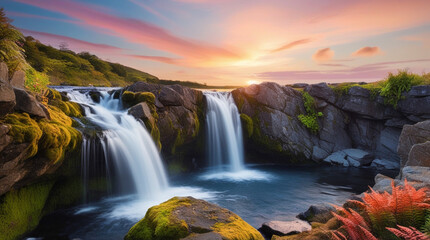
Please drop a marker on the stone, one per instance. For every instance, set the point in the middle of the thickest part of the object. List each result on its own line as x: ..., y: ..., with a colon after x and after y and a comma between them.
x: 190, y: 218
x: 284, y: 228
x: 385, y: 164
x: 317, y: 213
x: 5, y: 139
x: 411, y: 135
x: 333, y: 135
x: 359, y: 101
x: 27, y: 103
x: 322, y: 91
x: 419, y: 91
x: 420, y: 176
x: 386, y: 146
x: 141, y: 111
x: 337, y: 158
x: 382, y: 183
x: 318, y: 153
x: 169, y: 97
x: 419, y: 155
x: 414, y: 106
x: 398, y: 122
x: 4, y: 72
x: 7, y: 98
x: 18, y: 79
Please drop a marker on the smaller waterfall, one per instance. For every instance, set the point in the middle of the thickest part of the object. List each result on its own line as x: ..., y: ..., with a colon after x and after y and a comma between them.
x: 128, y: 149
x: 224, y: 132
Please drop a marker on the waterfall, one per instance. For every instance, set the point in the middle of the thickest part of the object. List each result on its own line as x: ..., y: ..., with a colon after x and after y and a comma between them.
x: 127, y: 148
x: 223, y: 132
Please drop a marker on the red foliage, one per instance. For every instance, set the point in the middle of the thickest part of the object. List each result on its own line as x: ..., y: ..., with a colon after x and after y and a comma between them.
x: 354, y: 224
x: 409, y: 233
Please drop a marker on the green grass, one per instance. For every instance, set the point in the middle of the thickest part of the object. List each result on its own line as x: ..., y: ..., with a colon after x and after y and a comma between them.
x: 310, y: 119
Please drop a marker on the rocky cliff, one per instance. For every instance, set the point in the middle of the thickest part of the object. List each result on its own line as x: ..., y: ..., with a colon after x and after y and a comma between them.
x: 354, y: 120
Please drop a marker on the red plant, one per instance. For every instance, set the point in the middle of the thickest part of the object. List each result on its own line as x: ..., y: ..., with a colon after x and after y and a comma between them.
x: 408, y: 233
x: 354, y: 224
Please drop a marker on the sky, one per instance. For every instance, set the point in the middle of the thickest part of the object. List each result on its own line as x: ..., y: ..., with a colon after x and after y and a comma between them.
x: 239, y: 42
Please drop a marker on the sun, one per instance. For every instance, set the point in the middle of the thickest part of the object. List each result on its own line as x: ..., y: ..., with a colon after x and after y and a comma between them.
x: 252, y: 82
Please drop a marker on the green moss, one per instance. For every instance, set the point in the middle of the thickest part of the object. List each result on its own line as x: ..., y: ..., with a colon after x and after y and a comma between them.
x: 310, y: 119
x: 158, y: 223
x: 52, y: 94
x: 21, y: 210
x: 247, y: 124
x: 237, y: 229
x: 179, y: 140
x: 131, y: 98
x: 24, y: 130
x: 263, y: 140
x: 58, y: 135
x: 64, y: 193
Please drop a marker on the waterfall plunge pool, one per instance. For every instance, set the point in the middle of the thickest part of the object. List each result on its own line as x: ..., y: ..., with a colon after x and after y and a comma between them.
x: 285, y: 192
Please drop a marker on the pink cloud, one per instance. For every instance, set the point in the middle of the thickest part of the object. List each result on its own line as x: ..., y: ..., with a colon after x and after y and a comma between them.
x: 323, y: 55
x: 73, y: 43
x: 368, y: 72
x: 157, y: 59
x: 367, y: 52
x: 137, y: 31
x: 292, y: 44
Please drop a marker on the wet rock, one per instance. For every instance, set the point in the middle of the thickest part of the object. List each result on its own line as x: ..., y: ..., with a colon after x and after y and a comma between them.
x: 385, y: 164
x: 317, y: 213
x: 190, y: 218
x: 350, y: 157
x: 283, y: 228
x: 18, y: 79
x: 25, y: 102
x: 142, y: 111
x: 411, y: 135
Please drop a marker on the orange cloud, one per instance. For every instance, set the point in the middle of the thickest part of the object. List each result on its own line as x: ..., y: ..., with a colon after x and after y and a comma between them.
x: 292, y: 44
x: 323, y: 55
x: 367, y: 52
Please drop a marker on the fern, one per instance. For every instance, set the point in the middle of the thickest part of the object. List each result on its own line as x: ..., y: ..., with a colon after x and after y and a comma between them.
x: 408, y: 233
x: 354, y: 224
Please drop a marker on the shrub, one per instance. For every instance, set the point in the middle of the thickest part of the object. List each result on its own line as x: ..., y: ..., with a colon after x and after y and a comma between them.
x: 408, y: 233
x: 310, y: 119
x: 397, y: 84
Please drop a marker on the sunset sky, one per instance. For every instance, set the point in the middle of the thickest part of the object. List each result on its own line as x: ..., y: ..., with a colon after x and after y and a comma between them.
x: 235, y: 42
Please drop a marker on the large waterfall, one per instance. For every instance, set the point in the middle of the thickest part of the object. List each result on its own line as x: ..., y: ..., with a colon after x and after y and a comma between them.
x: 128, y: 148
x: 223, y: 132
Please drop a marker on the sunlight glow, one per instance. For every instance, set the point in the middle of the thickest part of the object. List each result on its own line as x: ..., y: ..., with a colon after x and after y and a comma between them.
x: 251, y: 82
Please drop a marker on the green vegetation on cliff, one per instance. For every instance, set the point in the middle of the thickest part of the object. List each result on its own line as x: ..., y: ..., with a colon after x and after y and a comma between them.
x: 309, y: 120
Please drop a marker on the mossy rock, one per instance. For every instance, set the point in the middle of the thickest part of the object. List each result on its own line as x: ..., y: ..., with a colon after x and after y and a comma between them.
x: 247, y: 124
x: 130, y: 98
x: 187, y: 217
x: 21, y: 210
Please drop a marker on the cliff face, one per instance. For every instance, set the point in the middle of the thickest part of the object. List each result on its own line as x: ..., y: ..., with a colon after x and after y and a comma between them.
x: 354, y: 119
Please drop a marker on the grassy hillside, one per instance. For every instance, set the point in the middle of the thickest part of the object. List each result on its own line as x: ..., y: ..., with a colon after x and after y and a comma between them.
x: 65, y: 67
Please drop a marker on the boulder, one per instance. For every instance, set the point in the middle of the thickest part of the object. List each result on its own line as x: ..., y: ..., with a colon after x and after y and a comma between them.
x: 385, y: 164
x: 419, y: 155
x: 411, y: 135
x: 7, y: 98
x: 190, y: 218
x: 25, y: 102
x: 284, y: 228
x: 18, y: 79
x: 419, y: 91
x: 414, y: 106
x: 142, y: 111
x: 418, y: 176
x: 317, y: 213
x: 318, y: 153
x: 386, y: 146
x: 5, y: 139
x: 322, y: 91
x: 383, y: 183
x: 350, y: 157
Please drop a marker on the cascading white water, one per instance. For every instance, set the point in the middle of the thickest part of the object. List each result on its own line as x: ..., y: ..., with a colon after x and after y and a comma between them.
x: 125, y: 143
x: 223, y: 132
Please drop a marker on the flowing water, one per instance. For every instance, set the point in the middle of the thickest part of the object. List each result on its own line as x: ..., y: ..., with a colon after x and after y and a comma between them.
x: 224, y: 141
